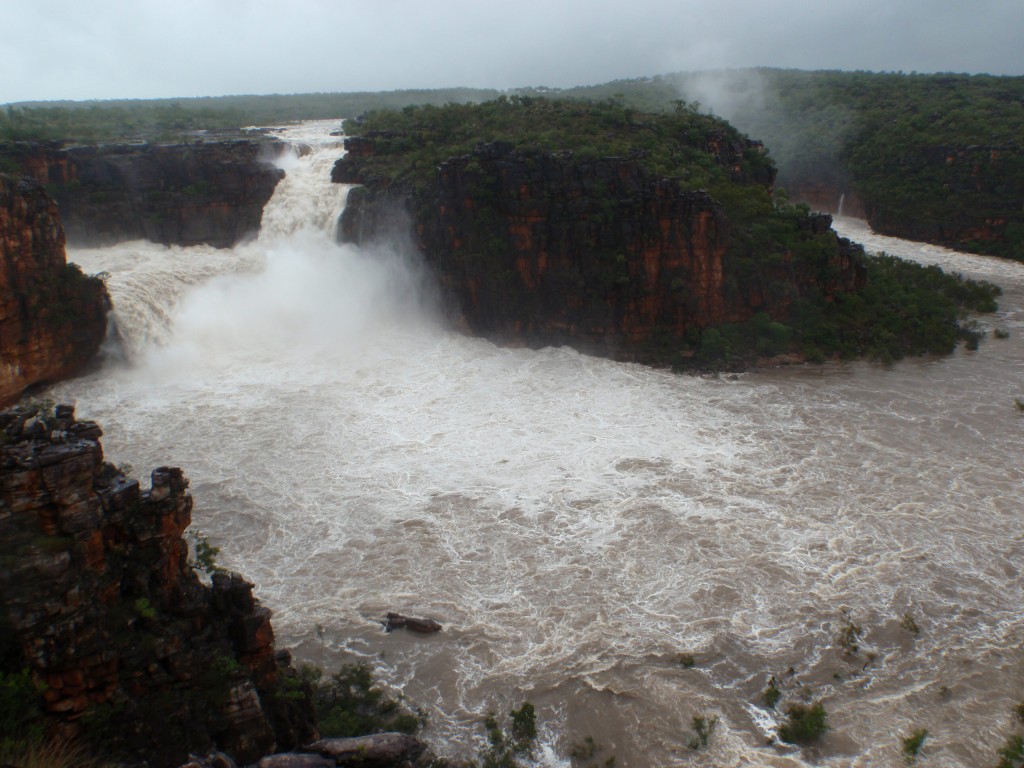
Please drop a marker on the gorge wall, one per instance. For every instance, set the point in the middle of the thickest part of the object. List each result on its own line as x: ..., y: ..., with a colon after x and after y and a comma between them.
x: 541, y: 248
x: 209, y: 193
x: 98, y: 602
x: 52, y: 317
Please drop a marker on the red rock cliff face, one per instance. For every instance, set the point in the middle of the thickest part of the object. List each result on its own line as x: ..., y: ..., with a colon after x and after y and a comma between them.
x: 543, y: 249
x: 52, y: 318
x: 184, y: 194
x: 99, y: 602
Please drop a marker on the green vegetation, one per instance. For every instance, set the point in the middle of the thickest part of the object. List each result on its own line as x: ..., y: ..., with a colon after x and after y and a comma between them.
x: 21, y: 707
x: 908, y: 624
x: 204, y: 553
x: 849, y: 635
x: 771, y: 695
x: 902, y: 308
x: 936, y: 157
x: 585, y: 755
x: 144, y: 609
x: 412, y: 142
x: 350, y: 704
x: 703, y: 727
x: 912, y: 744
x: 805, y: 723
x: 179, y: 119
x: 1011, y: 755
x: 505, y: 748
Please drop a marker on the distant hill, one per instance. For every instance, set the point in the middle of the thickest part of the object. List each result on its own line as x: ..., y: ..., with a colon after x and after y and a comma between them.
x: 927, y: 157
x: 934, y: 157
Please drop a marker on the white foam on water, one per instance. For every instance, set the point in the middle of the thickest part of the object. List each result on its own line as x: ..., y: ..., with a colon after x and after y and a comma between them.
x: 577, y: 523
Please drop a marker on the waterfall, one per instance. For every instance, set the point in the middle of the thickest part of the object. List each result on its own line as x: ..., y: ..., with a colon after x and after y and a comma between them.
x: 575, y: 523
x: 292, y: 289
x: 842, y: 197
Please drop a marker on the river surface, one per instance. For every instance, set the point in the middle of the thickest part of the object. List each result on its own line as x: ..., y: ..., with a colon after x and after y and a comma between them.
x: 580, y: 525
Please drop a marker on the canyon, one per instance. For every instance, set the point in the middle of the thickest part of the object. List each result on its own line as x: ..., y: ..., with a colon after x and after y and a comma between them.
x: 351, y: 463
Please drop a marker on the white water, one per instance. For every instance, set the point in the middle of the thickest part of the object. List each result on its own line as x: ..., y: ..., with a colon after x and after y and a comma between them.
x: 576, y: 523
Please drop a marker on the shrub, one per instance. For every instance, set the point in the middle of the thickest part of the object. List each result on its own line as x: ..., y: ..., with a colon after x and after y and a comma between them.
x: 504, y: 748
x: 1012, y: 753
x: 912, y: 744
x: 20, y: 706
x: 907, y: 623
x: 351, y: 705
x: 703, y: 727
x: 805, y: 723
x: 771, y: 694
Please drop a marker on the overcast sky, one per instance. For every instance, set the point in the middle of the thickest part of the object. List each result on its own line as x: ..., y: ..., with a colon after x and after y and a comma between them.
x: 103, y: 49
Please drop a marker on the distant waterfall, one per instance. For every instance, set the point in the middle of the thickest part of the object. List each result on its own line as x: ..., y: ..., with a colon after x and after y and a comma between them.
x: 842, y: 198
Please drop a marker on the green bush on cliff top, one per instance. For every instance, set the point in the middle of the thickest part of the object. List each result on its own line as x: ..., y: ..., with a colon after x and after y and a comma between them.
x: 901, y: 309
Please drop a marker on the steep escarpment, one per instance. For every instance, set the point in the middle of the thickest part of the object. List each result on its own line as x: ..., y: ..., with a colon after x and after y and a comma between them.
x: 630, y: 242
x: 542, y: 248
x: 100, y: 606
x: 969, y: 197
x: 182, y: 194
x: 52, y: 317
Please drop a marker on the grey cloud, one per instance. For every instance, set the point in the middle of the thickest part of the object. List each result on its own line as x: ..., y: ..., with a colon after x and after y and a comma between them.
x: 68, y: 49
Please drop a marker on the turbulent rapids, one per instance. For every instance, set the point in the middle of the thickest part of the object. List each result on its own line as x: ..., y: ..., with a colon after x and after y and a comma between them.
x: 578, y: 524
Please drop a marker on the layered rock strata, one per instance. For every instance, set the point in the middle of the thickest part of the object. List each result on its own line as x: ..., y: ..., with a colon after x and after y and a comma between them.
x: 98, y: 601
x: 544, y: 249
x: 52, y: 317
x: 182, y: 194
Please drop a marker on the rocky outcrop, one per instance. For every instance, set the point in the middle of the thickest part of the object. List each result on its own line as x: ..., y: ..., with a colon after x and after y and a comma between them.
x: 52, y: 317
x: 98, y: 601
x: 183, y: 194
x: 546, y: 249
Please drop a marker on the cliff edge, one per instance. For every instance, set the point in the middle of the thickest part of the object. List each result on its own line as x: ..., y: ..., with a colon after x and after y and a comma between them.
x: 52, y: 317
x: 100, y: 606
x: 210, y: 193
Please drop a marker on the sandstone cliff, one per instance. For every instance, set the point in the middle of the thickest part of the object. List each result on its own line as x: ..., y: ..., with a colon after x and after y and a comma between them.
x: 52, y: 317
x: 99, y: 602
x: 543, y: 248
x: 183, y: 194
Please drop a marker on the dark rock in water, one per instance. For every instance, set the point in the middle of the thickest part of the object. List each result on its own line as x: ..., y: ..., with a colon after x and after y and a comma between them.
x: 295, y: 760
x: 380, y: 749
x: 398, y: 621
x: 52, y: 317
x: 182, y: 194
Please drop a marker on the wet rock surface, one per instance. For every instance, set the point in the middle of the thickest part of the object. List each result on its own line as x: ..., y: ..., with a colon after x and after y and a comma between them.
x: 209, y: 193
x: 98, y: 601
x: 52, y: 317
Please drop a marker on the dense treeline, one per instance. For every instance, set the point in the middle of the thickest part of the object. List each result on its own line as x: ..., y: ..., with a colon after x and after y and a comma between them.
x: 178, y: 119
x: 675, y: 144
x: 932, y: 157
x: 902, y: 309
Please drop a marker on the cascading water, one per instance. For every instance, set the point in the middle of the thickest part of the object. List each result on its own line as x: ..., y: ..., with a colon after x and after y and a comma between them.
x: 842, y: 199
x: 578, y: 524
